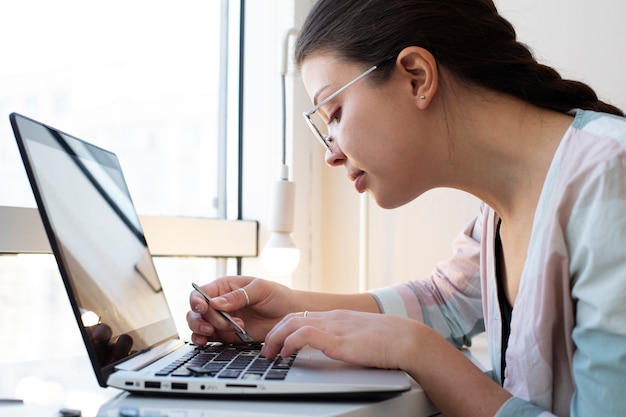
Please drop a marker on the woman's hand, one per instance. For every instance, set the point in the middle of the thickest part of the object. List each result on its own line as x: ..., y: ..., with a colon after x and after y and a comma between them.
x: 368, y: 339
x: 392, y: 342
x: 266, y: 303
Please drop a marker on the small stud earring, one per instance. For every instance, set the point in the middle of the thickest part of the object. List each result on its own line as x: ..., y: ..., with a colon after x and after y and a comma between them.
x: 422, y: 97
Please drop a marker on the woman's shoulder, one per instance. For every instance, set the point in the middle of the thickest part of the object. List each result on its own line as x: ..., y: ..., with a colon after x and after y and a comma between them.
x: 588, y: 169
x: 600, y: 124
x: 595, y: 142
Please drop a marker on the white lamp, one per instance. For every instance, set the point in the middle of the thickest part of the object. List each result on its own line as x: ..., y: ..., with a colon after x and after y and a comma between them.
x: 280, y: 255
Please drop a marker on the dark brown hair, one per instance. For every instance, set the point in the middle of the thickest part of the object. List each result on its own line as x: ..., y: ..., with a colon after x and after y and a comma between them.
x: 468, y: 37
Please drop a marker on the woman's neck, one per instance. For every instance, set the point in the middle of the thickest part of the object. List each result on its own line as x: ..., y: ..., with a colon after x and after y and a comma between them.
x: 504, y: 148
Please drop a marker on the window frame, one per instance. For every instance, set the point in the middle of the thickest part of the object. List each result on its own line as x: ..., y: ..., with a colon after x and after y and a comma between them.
x: 23, y: 232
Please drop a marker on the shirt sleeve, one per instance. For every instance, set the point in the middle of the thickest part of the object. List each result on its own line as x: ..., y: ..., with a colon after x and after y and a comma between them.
x: 449, y: 301
x: 596, y: 235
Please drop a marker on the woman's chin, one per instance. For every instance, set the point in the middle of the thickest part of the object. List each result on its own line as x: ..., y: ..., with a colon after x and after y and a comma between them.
x: 389, y: 202
x: 386, y: 204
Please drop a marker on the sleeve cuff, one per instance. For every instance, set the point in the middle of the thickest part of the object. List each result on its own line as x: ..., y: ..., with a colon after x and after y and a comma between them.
x: 516, y: 407
x: 389, y: 301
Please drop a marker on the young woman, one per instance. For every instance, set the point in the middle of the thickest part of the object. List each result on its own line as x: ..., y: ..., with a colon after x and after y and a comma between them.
x: 411, y: 95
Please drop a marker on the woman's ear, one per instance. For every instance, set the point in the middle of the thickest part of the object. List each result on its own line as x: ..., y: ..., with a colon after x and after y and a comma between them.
x: 419, y: 67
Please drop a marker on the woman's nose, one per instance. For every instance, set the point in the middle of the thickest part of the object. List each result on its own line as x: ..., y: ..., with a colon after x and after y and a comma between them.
x: 335, y: 156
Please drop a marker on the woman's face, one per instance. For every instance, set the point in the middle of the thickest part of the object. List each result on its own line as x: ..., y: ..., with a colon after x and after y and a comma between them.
x: 382, y: 139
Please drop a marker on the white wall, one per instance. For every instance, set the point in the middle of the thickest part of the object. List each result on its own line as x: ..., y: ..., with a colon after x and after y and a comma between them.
x: 582, y: 39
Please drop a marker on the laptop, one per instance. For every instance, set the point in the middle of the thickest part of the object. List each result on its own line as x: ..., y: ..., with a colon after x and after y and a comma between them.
x: 118, y: 300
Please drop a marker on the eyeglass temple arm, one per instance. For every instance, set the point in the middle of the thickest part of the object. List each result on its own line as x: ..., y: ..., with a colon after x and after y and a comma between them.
x: 336, y: 93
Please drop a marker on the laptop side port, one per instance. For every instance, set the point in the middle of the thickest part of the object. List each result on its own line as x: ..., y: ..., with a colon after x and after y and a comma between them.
x: 152, y: 384
x: 179, y: 386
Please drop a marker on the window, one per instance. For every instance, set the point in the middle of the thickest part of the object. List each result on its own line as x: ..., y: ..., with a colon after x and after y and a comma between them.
x: 141, y: 78
x: 151, y: 81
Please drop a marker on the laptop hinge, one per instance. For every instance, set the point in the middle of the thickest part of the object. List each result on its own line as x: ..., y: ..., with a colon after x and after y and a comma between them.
x: 148, y: 357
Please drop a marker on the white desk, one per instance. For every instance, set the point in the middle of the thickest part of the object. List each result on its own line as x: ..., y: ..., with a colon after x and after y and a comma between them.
x: 48, y: 386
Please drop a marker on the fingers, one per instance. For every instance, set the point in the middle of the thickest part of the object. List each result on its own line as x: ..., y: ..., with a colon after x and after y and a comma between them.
x: 233, y: 300
x: 198, y: 324
x: 295, y: 331
x: 339, y: 334
x: 212, y: 309
x: 260, y: 303
x: 200, y: 328
x: 204, y: 331
x: 227, y: 294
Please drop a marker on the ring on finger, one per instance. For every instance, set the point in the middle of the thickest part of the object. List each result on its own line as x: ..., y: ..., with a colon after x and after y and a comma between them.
x: 245, y: 293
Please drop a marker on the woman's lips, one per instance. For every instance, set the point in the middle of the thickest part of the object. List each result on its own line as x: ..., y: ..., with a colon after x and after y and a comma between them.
x: 358, y: 178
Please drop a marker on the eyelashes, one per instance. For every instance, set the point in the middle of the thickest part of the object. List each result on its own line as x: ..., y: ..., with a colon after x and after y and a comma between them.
x: 335, y: 116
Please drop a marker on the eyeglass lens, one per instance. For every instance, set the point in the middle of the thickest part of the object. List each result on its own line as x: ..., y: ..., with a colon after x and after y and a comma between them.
x: 320, y: 125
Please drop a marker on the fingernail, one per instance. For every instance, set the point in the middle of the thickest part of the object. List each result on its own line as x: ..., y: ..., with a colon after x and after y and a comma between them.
x: 206, y: 330
x: 199, y: 308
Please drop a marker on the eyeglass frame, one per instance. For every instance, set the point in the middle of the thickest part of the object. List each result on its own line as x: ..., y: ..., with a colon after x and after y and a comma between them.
x: 326, y: 140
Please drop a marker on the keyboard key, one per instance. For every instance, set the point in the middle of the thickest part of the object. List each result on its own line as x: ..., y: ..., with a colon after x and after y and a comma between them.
x: 276, y: 375
x: 230, y: 373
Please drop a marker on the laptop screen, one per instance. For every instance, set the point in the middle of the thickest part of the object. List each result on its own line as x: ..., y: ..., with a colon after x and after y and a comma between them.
x: 98, y: 241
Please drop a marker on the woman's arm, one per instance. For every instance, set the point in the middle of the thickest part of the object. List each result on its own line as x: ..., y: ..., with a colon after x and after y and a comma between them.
x: 258, y: 305
x: 452, y: 382
x: 317, y: 301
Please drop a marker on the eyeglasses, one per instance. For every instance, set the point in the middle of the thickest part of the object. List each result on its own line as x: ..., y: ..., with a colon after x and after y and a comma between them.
x: 321, y: 133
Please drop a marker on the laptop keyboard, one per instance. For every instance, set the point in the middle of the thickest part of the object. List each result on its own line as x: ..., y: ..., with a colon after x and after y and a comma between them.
x: 229, y: 362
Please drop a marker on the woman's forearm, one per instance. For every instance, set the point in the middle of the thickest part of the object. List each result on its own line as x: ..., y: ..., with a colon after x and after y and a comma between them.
x: 451, y: 381
x: 317, y: 301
